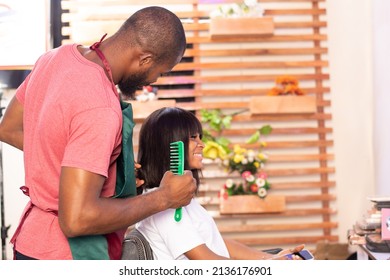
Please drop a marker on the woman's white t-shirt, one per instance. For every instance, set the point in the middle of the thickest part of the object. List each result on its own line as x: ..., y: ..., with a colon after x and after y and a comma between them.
x: 169, y: 239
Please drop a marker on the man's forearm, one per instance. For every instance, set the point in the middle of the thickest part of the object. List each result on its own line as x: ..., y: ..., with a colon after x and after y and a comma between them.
x: 11, y: 125
x: 112, y: 214
x: 14, y: 139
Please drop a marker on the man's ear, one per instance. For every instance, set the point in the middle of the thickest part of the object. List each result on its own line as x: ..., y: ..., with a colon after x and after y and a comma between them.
x: 145, y: 59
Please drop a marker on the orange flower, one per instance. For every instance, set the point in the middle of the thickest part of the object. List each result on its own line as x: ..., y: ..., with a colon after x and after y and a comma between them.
x: 286, y: 85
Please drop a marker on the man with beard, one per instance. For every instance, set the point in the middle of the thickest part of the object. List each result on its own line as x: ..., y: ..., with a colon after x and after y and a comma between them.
x: 67, y: 118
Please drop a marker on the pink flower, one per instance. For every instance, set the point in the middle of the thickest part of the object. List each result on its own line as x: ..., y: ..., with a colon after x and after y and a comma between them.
x: 246, y: 174
x: 262, y: 175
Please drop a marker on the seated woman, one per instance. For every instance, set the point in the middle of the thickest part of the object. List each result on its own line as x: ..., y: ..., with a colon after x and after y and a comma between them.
x: 196, y: 235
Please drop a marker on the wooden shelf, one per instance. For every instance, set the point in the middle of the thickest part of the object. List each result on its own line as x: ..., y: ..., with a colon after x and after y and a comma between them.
x: 287, y: 104
x: 232, y: 27
x: 252, y: 204
x: 141, y: 110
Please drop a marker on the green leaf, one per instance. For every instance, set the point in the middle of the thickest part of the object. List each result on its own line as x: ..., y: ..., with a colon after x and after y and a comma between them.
x: 204, y: 115
x: 223, y: 141
x: 265, y: 130
x: 230, y: 191
x: 226, y: 121
x: 207, y: 136
x: 214, y: 120
x: 254, y: 138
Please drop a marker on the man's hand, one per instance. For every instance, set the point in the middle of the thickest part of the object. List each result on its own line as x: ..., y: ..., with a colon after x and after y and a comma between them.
x: 138, y: 181
x: 177, y: 190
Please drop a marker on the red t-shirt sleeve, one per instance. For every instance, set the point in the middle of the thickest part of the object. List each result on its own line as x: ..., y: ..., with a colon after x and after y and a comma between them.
x: 20, y: 92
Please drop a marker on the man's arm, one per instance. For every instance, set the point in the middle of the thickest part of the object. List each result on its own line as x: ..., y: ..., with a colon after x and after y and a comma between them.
x: 11, y: 126
x: 82, y: 211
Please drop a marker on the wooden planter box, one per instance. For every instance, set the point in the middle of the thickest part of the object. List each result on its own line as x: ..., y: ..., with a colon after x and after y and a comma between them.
x: 232, y: 27
x: 287, y: 104
x: 252, y: 204
x: 142, y: 110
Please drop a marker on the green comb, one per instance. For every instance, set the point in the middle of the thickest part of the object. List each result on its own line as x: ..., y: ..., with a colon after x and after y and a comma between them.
x: 176, y: 165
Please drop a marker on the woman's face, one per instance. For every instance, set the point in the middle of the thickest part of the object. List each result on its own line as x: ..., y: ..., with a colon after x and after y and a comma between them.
x: 195, y: 151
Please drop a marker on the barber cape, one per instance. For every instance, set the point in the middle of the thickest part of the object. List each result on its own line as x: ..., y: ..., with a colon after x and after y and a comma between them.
x: 109, y: 246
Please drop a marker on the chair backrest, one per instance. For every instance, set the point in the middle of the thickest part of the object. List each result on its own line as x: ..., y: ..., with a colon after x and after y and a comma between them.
x: 136, y: 247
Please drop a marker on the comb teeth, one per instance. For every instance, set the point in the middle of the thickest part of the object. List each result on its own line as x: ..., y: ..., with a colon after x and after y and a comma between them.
x: 176, y: 164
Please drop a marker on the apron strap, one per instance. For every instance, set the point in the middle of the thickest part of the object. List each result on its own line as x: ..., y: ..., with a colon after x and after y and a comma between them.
x: 95, y: 47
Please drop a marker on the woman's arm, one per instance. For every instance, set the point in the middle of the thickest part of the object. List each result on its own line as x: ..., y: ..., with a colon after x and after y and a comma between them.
x: 202, y: 252
x: 239, y: 251
x: 236, y: 250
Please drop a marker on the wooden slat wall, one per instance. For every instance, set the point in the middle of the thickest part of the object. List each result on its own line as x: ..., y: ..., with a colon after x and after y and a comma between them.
x: 225, y: 73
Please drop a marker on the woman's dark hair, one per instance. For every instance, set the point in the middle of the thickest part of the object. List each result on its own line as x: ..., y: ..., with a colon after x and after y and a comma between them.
x: 163, y: 126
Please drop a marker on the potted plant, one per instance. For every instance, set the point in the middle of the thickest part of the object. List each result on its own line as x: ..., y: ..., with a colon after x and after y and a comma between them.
x: 250, y: 193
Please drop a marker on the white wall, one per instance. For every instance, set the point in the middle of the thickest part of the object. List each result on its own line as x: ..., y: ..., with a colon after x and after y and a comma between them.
x: 381, y: 57
x: 350, y: 56
x: 352, y: 83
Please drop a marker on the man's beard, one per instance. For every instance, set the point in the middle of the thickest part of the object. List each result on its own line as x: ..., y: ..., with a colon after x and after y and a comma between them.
x: 133, y: 83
